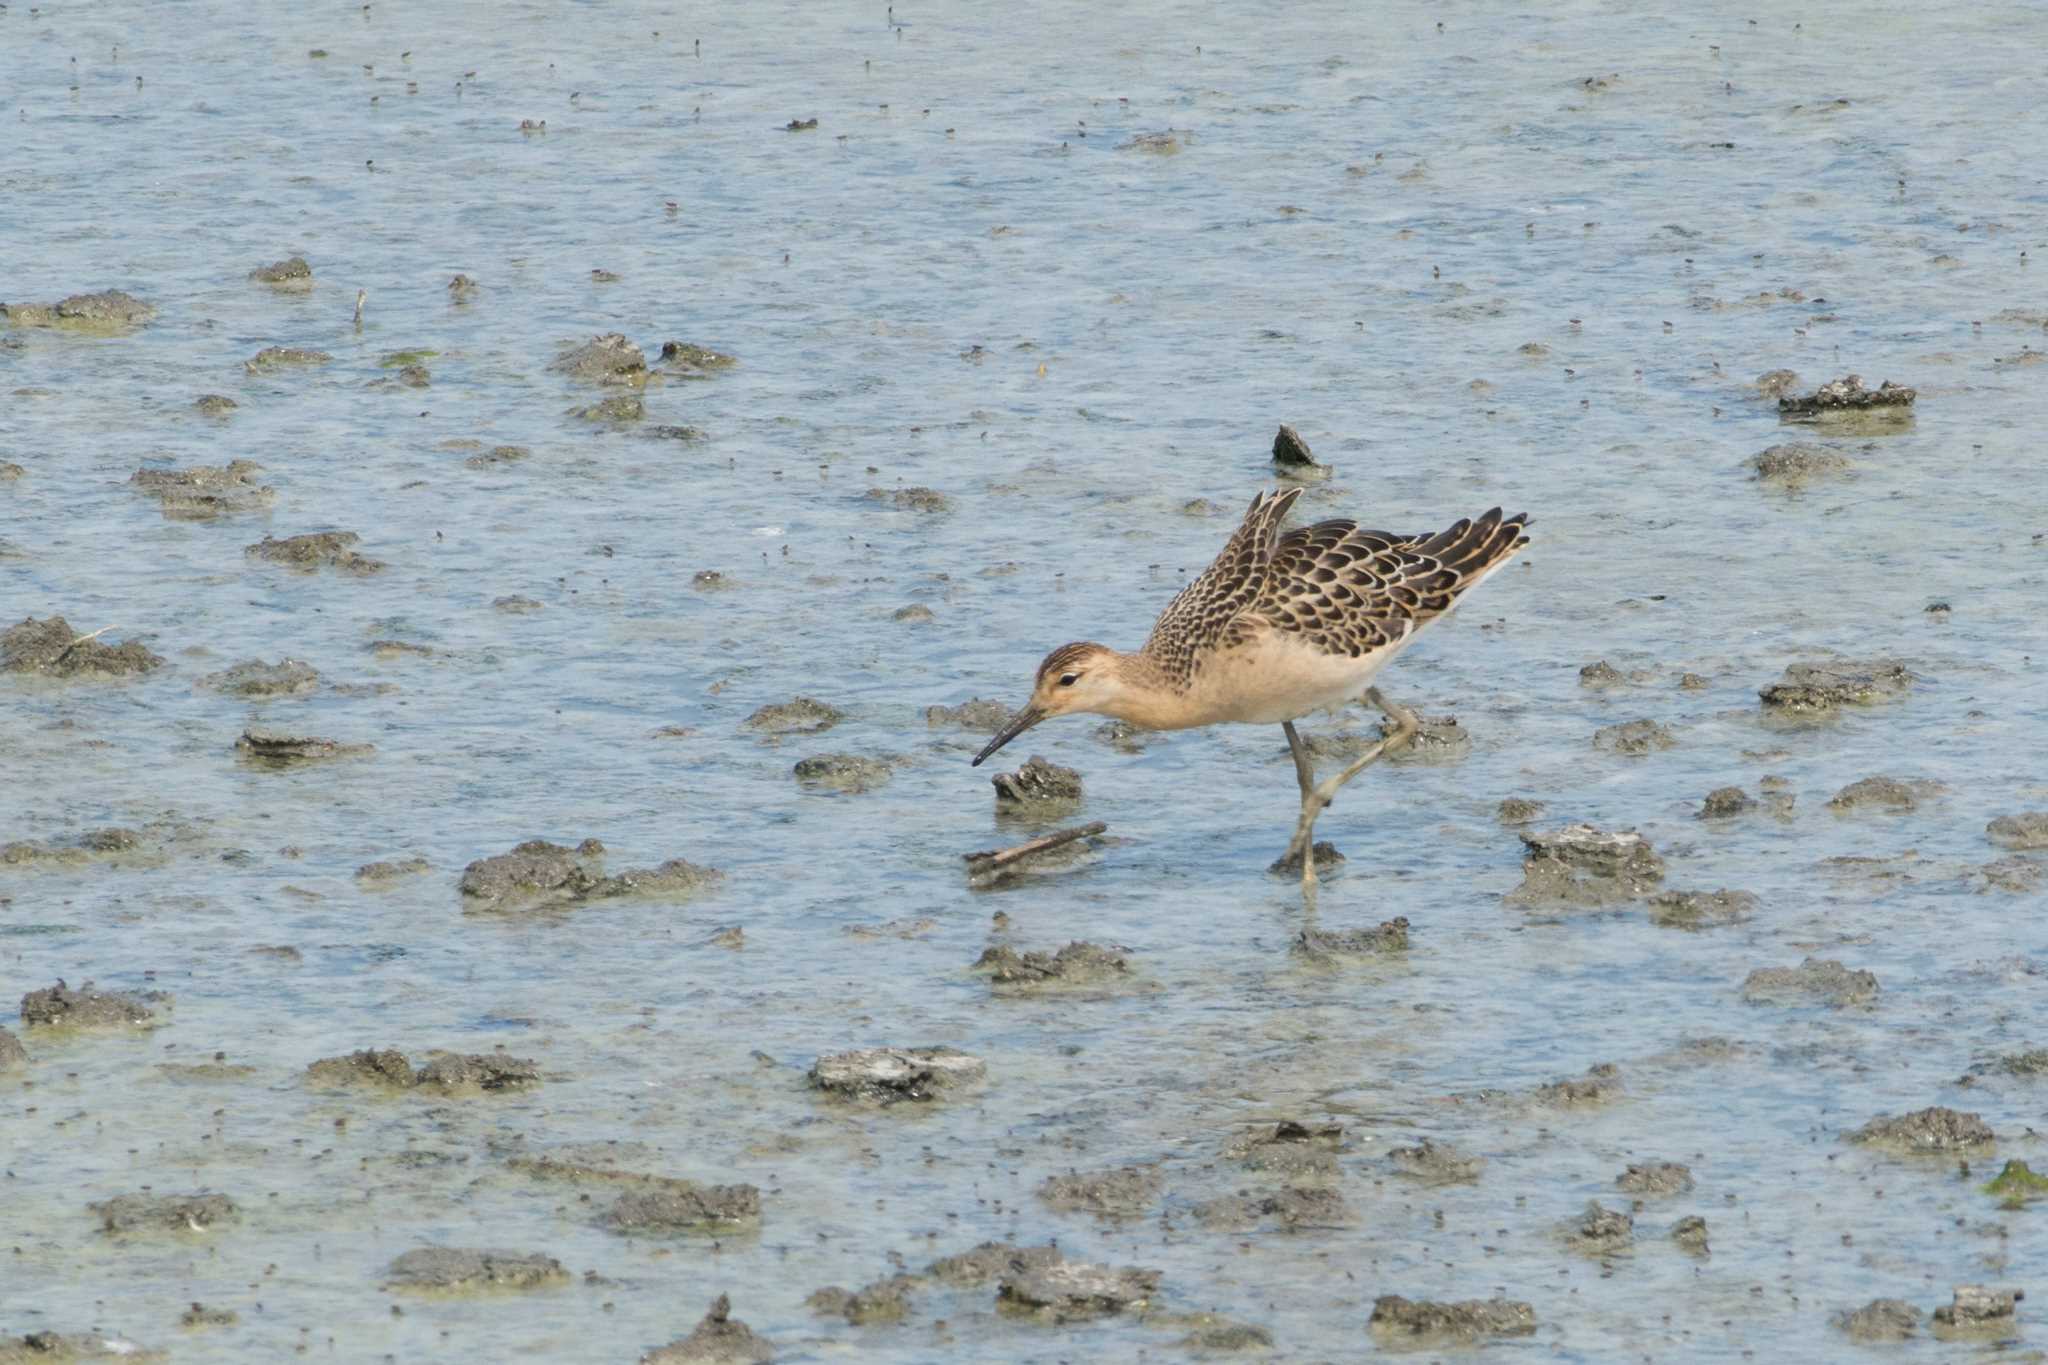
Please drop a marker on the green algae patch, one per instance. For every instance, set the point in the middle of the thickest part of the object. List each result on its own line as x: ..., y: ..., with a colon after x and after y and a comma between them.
x: 398, y: 360
x: 2017, y: 1185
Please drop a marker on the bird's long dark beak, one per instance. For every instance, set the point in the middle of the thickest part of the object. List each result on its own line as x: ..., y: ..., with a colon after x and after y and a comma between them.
x: 1019, y: 723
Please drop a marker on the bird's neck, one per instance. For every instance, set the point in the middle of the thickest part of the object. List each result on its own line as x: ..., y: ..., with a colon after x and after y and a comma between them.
x: 1150, y: 696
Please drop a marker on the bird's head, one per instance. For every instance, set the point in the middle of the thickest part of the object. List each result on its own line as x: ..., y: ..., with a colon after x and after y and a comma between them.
x: 1083, y: 676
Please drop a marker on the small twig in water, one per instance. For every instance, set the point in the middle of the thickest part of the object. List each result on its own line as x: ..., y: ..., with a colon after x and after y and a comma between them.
x: 990, y: 859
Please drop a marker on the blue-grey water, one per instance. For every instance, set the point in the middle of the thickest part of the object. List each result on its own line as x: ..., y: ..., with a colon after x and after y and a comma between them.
x: 1479, y: 255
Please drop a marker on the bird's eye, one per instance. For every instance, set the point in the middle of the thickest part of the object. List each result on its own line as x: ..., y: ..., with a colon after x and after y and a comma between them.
x: 1069, y: 679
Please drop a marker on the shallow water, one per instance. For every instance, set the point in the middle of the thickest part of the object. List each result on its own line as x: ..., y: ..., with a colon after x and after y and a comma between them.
x: 1363, y: 221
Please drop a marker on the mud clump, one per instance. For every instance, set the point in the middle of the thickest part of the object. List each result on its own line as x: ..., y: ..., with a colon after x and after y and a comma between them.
x: 277, y: 749
x: 446, y: 1072
x: 1725, y: 803
x: 51, y: 648
x: 890, y: 1075
x: 692, y: 359
x: 214, y: 405
x: 1291, y: 1207
x: 1701, y: 909
x: 316, y: 550
x: 883, y: 1301
x: 1580, y: 866
x: 1126, y: 1192
x: 1038, y: 783
x: 163, y: 1212
x: 1847, y: 396
x: 446, y: 1269
x: 680, y: 1207
x: 1067, y: 1291
x: 13, y: 1056
x: 1653, y: 1178
x: 718, y: 1339
x: 979, y: 715
x: 848, y: 773
x: 1421, y: 1322
x: 206, y: 491
x: 1436, y: 1163
x: 199, y: 1315
x: 618, y: 410
x: 797, y: 716
x: 1690, y: 1234
x: 1326, y: 854
x: 539, y: 873
x: 609, y: 359
x: 1634, y: 738
x: 271, y: 359
x: 1078, y: 964
x: 2015, y: 1186
x: 1600, y: 673
x: 391, y: 871
x: 94, y: 843
x: 292, y: 274
x: 1331, y: 945
x: 60, y: 1006
x: 912, y: 499
x: 110, y: 310
x: 1882, y: 793
x: 54, y: 1348
x: 1290, y: 451
x: 1290, y: 1149
x: 1977, y: 1310
x: 1776, y: 383
x: 1809, y: 689
x: 1935, y: 1129
x: 1437, y: 739
x: 2027, y: 830
x: 1880, y: 1321
x: 1517, y: 810
x: 990, y: 1260
x: 1601, y: 1083
x: 1815, y: 981
x: 1794, y: 465
x: 257, y: 680
x: 1600, y: 1231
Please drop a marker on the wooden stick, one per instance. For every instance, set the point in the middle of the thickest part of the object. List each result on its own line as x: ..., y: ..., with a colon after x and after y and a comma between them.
x: 81, y: 640
x: 990, y: 859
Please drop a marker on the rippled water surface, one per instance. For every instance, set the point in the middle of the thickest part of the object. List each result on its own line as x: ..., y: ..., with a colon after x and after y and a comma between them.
x: 1523, y: 256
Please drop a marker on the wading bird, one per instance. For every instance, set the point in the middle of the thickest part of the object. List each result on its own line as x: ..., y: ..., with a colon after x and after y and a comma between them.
x: 1282, y: 624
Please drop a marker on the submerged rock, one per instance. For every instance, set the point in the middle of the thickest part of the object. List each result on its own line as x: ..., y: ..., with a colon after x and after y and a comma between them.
x: 255, y: 679
x: 891, y: 1075
x: 843, y: 772
x: 1437, y: 739
x: 1077, y: 964
x: 618, y: 410
x: 882, y: 1301
x: 51, y: 648
x: 912, y: 499
x: 541, y: 873
x: 13, y: 1056
x: 1935, y: 1129
x: 1329, y: 945
x: 1037, y: 782
x: 60, y: 1006
x: 163, y: 1212
x: 1776, y: 383
x: 1847, y: 395
x: 1126, y: 1192
x: 1651, y: 1178
x: 1635, y: 738
x: 110, y: 310
x: 1580, y: 866
x: 1436, y: 1163
x: 1690, y: 1233
x: 1600, y: 673
x: 1880, y: 1321
x: 2026, y: 830
x: 292, y: 274
x: 1517, y: 810
x: 1978, y: 1310
x: 271, y: 359
x: 1601, y: 1083
x: 1795, y: 464
x: 206, y: 491
x: 1882, y: 793
x: 689, y: 357
x: 1815, y: 981
x: 797, y: 716
x: 1290, y: 1148
x: 980, y: 715
x: 989, y: 1260
x: 681, y: 1206
x: 279, y: 749
x: 608, y: 359
x: 718, y: 1339
x: 1291, y: 1207
x: 1701, y: 909
x: 1600, y: 1231
x: 214, y: 404
x: 453, y: 1268
x: 316, y: 550
x: 54, y: 1348
x: 1818, y: 688
x: 1724, y: 803
x: 1290, y: 451
x: 1065, y: 1291
x: 1421, y: 1322
x: 446, y: 1072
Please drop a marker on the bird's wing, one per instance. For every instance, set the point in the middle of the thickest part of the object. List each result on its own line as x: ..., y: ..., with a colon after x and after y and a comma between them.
x: 1201, y: 615
x: 1350, y: 591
